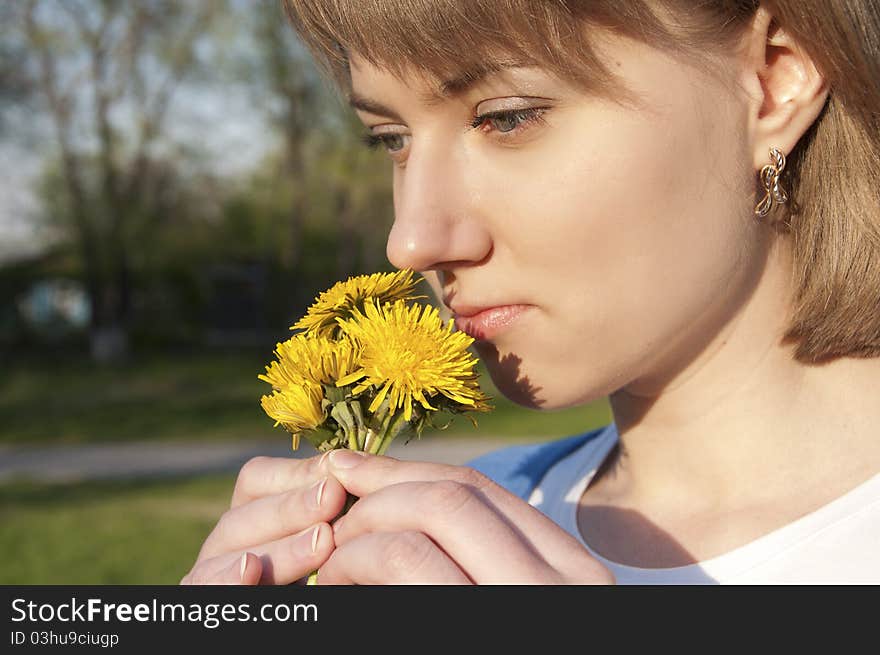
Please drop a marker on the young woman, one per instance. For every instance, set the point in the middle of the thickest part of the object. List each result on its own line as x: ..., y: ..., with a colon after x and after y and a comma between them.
x: 670, y: 203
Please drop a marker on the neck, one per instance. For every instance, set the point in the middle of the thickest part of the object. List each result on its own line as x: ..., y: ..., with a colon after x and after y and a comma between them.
x: 744, y: 420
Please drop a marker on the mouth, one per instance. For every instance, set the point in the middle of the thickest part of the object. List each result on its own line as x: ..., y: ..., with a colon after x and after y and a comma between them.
x: 485, y: 323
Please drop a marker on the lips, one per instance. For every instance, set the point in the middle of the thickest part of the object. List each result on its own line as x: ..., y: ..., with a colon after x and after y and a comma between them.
x: 484, y: 323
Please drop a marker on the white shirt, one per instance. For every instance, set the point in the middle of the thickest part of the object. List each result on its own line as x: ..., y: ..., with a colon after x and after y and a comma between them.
x: 838, y: 543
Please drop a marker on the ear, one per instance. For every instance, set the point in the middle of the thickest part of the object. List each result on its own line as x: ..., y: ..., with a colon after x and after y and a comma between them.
x: 789, y: 92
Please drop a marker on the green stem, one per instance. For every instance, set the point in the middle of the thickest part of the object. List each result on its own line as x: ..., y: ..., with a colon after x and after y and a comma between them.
x: 383, y: 446
x: 388, y: 434
x: 360, y: 427
x: 375, y: 445
x: 369, y: 439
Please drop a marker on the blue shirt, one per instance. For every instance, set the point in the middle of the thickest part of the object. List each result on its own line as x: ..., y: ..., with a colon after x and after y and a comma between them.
x: 519, y: 469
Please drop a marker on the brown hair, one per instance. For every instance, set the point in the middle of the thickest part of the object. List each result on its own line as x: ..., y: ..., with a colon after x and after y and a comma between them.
x: 833, y: 174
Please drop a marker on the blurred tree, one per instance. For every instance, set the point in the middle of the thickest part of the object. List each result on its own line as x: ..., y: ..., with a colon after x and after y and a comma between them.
x: 351, y: 194
x: 155, y: 207
x: 14, y: 84
x: 322, y: 189
x: 297, y: 104
x: 106, y: 72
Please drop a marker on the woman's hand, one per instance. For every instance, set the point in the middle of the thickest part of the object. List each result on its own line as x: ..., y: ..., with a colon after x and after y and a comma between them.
x: 435, y: 524
x: 277, y: 530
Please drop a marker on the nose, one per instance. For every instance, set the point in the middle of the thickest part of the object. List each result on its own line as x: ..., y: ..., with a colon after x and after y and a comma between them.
x: 437, y: 212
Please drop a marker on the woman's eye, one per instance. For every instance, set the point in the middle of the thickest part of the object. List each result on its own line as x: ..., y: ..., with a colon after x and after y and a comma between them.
x: 503, y: 122
x: 391, y: 142
x: 506, y: 121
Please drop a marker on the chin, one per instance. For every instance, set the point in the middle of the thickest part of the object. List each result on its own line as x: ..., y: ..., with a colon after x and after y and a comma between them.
x: 513, y: 379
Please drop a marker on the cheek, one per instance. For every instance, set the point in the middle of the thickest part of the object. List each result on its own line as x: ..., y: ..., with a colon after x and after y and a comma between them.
x: 629, y: 232
x: 639, y: 215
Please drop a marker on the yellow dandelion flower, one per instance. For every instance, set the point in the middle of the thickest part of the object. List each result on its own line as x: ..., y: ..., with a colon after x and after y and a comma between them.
x: 344, y: 298
x: 308, y: 358
x: 481, y: 400
x: 305, y: 364
x: 297, y: 408
x: 408, y: 356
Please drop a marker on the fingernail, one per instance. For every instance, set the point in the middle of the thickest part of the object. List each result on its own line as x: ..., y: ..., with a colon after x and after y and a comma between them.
x: 319, y: 493
x: 243, y: 567
x: 346, y: 459
x: 308, y: 536
x: 323, y: 458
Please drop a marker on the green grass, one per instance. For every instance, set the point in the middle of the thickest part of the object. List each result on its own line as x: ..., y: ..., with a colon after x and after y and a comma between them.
x: 160, y: 397
x: 149, y: 531
x: 508, y: 419
x: 201, y: 396
x: 146, y: 532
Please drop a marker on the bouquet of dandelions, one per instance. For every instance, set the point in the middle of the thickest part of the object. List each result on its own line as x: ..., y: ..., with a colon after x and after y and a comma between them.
x: 369, y: 365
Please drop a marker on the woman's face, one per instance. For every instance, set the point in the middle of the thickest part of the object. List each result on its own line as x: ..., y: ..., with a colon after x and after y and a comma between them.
x: 622, y: 236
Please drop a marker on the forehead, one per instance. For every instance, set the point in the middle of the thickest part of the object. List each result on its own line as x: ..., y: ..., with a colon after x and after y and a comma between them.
x: 380, y: 92
x: 433, y: 89
x: 443, y: 73
x: 372, y: 82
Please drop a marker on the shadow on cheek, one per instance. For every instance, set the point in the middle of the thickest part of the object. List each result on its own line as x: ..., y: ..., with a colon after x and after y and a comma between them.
x: 507, y: 376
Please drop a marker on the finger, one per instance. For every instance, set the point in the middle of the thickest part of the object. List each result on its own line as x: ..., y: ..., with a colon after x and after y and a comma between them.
x: 241, y: 569
x: 365, y: 474
x: 265, y: 476
x: 282, y: 561
x: 457, y: 517
x: 250, y: 569
x: 273, y: 517
x: 390, y: 558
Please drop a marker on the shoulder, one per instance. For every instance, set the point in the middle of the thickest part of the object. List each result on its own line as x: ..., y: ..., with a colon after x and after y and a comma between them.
x: 520, y: 468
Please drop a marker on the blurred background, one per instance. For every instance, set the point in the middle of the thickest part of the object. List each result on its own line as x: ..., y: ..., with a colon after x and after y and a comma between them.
x: 176, y: 185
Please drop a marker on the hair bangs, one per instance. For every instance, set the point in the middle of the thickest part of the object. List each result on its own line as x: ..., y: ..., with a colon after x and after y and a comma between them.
x: 454, y: 40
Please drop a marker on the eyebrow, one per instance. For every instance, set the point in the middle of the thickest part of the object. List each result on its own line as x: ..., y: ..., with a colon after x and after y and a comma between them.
x: 450, y: 88
x: 371, y: 106
x: 461, y: 83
